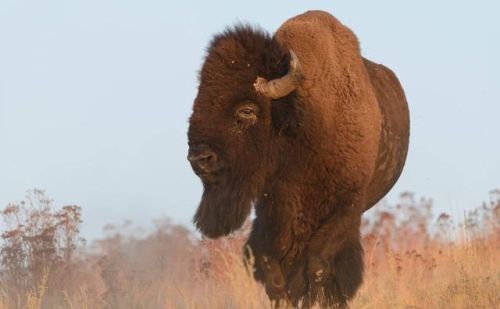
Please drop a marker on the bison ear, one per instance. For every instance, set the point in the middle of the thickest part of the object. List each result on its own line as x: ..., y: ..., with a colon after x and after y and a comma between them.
x: 287, y: 114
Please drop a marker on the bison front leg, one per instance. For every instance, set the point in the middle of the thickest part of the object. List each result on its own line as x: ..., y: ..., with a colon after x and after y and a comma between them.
x: 335, y: 258
x: 335, y: 278
x: 266, y: 269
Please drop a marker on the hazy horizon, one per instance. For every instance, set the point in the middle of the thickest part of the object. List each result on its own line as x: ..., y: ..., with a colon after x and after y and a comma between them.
x: 95, y: 97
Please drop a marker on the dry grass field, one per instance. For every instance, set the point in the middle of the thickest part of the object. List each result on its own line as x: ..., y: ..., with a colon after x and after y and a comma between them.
x: 414, y: 259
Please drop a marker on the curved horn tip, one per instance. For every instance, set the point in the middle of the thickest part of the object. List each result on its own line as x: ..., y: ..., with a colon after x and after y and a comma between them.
x: 294, y: 60
x: 280, y: 87
x: 261, y: 85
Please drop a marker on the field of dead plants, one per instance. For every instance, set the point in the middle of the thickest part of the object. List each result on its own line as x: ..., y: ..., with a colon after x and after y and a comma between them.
x: 414, y: 259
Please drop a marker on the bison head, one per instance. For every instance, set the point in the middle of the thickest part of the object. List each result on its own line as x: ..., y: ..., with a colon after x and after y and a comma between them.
x: 242, y: 109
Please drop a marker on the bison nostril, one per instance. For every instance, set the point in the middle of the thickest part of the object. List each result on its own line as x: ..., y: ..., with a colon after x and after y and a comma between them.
x: 200, y: 157
x: 204, y: 160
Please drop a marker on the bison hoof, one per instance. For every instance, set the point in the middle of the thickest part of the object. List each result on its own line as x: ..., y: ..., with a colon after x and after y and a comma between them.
x: 275, y: 286
x: 317, y: 270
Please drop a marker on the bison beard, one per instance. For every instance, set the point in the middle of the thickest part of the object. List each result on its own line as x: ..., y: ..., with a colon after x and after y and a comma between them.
x: 225, y: 206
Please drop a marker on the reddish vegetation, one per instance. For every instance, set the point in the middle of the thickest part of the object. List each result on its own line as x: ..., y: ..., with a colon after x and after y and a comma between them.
x: 412, y: 261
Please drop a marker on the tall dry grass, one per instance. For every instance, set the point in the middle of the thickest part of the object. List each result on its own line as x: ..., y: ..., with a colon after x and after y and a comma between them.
x: 413, y: 260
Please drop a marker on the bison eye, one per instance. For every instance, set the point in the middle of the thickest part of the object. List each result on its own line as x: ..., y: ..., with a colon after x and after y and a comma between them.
x: 247, y: 112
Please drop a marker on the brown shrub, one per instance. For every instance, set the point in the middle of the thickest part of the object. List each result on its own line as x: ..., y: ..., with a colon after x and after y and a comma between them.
x: 39, y: 248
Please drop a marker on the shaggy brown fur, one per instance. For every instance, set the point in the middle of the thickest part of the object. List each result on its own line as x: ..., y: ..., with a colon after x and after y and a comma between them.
x: 311, y: 162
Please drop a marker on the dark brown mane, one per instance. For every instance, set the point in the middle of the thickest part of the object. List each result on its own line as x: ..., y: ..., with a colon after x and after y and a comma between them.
x: 268, y: 57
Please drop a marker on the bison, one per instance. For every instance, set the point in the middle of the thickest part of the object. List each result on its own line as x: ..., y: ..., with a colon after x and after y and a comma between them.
x: 302, y: 128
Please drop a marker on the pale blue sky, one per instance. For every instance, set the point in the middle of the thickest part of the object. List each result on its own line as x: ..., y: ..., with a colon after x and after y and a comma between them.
x: 95, y: 97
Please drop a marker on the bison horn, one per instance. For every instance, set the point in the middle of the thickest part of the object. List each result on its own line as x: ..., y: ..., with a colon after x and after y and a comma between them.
x: 280, y: 87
